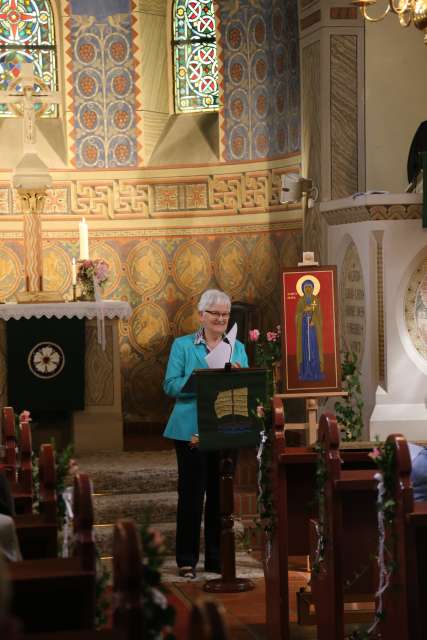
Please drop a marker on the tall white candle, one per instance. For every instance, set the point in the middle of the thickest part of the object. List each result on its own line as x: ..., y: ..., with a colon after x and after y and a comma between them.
x: 84, y: 240
x: 73, y: 272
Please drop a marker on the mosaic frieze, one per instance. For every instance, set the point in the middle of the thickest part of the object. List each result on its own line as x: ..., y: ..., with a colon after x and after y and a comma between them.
x: 110, y: 198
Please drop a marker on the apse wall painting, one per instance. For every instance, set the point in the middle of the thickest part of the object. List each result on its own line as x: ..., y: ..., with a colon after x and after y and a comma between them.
x: 310, y: 336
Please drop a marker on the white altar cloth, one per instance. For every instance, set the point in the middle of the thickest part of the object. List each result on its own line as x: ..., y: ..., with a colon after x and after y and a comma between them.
x: 107, y: 308
x: 100, y: 310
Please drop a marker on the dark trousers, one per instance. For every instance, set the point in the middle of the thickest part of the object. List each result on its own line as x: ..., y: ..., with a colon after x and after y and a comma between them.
x: 198, y: 473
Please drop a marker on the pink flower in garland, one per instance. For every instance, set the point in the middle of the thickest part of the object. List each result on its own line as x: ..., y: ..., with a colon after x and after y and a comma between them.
x: 25, y: 416
x: 272, y: 336
x: 254, y: 335
x: 375, y: 454
x: 260, y: 411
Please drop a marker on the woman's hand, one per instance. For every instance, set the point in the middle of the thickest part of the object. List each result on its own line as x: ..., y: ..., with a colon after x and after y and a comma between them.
x: 194, y: 442
x: 236, y: 365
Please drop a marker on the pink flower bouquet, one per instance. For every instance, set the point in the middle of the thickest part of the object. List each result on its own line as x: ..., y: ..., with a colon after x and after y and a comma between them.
x: 91, y: 272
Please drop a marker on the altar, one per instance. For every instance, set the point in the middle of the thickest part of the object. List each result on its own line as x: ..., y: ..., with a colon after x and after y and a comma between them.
x: 98, y: 424
x: 380, y: 247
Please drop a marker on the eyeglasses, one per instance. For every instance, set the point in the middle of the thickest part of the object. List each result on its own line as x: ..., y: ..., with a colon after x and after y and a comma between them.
x: 218, y: 314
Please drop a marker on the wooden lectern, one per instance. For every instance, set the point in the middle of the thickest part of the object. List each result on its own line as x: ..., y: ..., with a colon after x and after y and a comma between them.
x: 226, y: 407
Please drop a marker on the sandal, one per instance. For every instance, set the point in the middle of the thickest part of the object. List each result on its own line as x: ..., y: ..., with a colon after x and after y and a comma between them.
x: 187, y: 572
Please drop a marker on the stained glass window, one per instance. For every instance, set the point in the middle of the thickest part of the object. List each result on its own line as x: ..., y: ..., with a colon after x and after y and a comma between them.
x: 27, y: 34
x: 195, y: 56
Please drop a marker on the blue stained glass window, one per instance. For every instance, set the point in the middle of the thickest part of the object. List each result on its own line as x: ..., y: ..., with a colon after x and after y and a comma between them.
x: 27, y: 35
x: 195, y: 56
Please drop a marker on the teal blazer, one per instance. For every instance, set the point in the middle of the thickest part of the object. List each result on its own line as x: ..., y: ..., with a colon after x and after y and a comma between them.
x: 185, y: 356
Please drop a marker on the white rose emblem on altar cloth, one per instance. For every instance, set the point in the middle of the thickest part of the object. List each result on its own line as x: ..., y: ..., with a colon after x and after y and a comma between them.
x: 46, y: 360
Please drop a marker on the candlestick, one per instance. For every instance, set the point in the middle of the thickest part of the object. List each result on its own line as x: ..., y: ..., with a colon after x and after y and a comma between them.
x: 73, y: 272
x: 84, y: 240
x: 74, y: 292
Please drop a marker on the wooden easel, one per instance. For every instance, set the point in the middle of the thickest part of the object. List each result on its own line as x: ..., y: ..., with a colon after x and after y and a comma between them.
x: 312, y: 406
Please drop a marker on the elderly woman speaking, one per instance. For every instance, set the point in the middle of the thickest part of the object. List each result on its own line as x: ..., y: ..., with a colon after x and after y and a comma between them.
x: 198, y: 471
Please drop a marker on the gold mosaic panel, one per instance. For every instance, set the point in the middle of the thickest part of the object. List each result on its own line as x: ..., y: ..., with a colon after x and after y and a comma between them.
x: 186, y: 319
x: 56, y: 268
x: 149, y: 328
x: 192, y: 268
x: 416, y: 308
x: 147, y: 268
x: 104, y: 251
x: 10, y: 272
x: 231, y: 266
x: 264, y: 265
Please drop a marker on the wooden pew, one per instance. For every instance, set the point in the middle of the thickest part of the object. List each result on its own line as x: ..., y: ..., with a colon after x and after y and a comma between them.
x: 405, y: 602
x: 207, y: 622
x: 9, y: 442
x: 293, y: 489
x: 351, y: 538
x: 18, y: 463
x: 38, y: 532
x: 56, y: 593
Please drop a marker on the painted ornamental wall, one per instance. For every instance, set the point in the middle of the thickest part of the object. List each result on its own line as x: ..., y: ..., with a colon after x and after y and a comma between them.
x: 168, y: 229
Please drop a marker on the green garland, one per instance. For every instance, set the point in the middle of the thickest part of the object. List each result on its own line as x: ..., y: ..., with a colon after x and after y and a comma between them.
x: 321, y: 476
x: 349, y: 410
x: 266, y: 505
x: 384, y: 457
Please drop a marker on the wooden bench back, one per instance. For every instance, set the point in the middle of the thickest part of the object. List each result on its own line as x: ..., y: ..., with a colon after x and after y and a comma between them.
x: 47, y: 482
x: 207, y: 622
x: 9, y: 442
x: 128, y: 579
x: 84, y: 540
x: 51, y: 594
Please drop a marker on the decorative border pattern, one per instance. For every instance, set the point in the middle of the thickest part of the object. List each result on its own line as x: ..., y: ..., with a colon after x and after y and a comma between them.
x: 222, y: 194
x: 350, y: 215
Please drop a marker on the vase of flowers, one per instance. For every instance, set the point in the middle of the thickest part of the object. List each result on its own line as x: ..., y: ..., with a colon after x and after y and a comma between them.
x: 91, y: 274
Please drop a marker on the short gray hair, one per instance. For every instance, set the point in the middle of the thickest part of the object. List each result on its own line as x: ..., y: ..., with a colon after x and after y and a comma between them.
x: 213, y: 296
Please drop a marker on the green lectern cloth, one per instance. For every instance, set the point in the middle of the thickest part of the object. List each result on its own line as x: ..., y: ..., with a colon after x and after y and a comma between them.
x: 226, y: 407
x: 46, y: 363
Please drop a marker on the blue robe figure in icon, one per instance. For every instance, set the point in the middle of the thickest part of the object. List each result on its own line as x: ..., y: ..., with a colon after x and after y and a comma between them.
x: 310, y: 364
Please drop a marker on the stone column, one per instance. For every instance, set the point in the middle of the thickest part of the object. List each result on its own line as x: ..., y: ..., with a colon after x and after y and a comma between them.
x: 32, y: 203
x: 332, y: 98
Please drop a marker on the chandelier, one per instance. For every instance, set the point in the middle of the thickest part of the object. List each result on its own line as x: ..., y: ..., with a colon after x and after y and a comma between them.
x: 407, y: 11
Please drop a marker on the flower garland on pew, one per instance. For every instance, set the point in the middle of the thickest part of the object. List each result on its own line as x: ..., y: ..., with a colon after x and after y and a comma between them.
x: 384, y: 457
x: 321, y: 477
x: 266, y: 509
x: 267, y: 355
x: 159, y: 615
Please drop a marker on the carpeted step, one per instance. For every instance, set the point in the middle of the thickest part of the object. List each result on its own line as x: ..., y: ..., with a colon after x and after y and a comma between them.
x: 104, y: 537
x: 161, y: 506
x: 130, y: 472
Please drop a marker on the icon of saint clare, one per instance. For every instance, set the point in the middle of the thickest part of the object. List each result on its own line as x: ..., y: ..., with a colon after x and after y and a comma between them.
x: 308, y: 318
